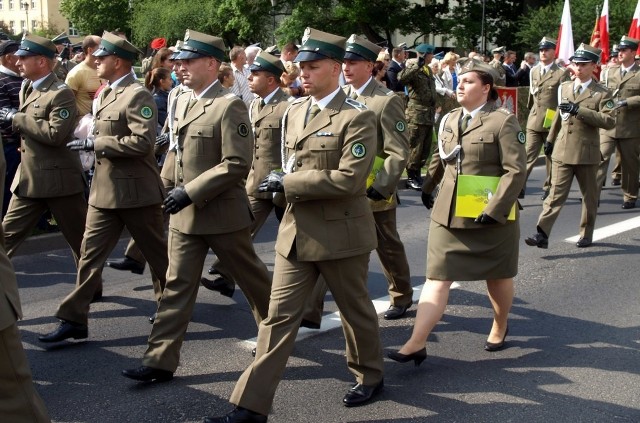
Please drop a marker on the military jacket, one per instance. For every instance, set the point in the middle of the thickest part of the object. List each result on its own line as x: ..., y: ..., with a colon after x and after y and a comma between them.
x: 328, y: 216
x: 392, y: 141
x: 624, y: 88
x: 421, y: 84
x: 126, y: 172
x: 492, y: 145
x: 213, y: 157
x: 543, y: 94
x: 497, y: 64
x: 45, y: 121
x: 10, y: 309
x: 576, y: 139
x: 267, y: 151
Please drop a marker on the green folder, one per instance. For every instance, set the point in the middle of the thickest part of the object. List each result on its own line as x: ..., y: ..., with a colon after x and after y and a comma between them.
x: 473, y: 194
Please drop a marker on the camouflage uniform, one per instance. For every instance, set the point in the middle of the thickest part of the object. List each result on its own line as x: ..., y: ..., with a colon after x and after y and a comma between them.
x: 420, y: 114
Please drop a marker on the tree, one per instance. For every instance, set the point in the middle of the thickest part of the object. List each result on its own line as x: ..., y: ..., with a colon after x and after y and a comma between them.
x: 96, y: 16
x: 545, y: 21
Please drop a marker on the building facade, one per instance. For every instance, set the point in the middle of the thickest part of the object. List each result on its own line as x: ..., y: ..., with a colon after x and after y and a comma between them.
x: 19, y: 16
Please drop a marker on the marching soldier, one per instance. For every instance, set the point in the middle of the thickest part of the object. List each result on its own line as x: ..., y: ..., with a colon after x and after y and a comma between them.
x: 209, y: 206
x: 543, y: 95
x: 420, y: 112
x: 266, y: 113
x: 498, y: 52
x: 327, y: 229
x: 49, y: 175
x: 126, y: 190
x: 574, y: 146
x: 623, y: 80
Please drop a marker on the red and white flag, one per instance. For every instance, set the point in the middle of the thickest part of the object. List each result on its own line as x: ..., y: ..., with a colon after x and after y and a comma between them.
x: 600, y: 35
x: 634, y: 31
x: 564, y: 48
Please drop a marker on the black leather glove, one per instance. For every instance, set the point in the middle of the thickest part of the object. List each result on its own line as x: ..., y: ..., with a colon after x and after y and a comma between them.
x: 7, y: 114
x: 428, y: 200
x: 485, y: 219
x: 374, y: 195
x: 176, y: 200
x: 571, y: 108
x: 279, y: 212
x: 162, y: 140
x: 547, y: 148
x: 621, y: 103
x: 274, y: 182
x: 75, y: 145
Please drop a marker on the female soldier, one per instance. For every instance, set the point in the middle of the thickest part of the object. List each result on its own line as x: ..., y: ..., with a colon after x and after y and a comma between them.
x: 476, y: 139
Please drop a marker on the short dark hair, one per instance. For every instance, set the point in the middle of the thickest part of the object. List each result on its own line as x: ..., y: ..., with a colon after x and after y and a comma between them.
x: 90, y: 41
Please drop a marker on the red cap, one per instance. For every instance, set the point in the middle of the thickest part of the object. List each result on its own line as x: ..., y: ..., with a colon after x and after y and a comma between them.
x: 158, y: 43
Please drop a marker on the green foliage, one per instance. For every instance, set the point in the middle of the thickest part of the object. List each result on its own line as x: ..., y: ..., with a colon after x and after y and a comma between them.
x: 96, y: 16
x: 545, y: 21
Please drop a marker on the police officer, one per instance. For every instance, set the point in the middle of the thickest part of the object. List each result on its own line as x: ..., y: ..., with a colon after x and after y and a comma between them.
x: 545, y: 78
x: 420, y: 112
x: 573, y: 145
x: 208, y: 206
x: 49, y: 175
x: 623, y: 80
x: 327, y: 229
x: 266, y: 112
x: 498, y: 52
x: 126, y: 190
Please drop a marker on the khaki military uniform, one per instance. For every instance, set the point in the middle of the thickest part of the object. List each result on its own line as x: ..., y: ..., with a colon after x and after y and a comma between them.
x: 502, y: 81
x: 49, y: 175
x: 420, y: 113
x: 458, y: 247
x: 267, y: 156
x: 19, y: 401
x: 327, y: 229
x: 543, y: 95
x: 62, y: 68
x: 213, y: 157
x: 576, y: 152
x: 625, y: 135
x: 126, y: 191
x: 392, y: 146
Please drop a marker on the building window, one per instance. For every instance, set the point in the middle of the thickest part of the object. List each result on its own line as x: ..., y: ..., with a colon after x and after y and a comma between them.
x: 1, y: 4
x: 34, y: 25
x: 33, y: 4
x: 12, y: 27
x: 23, y: 26
x: 10, y: 4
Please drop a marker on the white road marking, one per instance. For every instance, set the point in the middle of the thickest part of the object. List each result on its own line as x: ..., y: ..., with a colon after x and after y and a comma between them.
x: 611, y: 230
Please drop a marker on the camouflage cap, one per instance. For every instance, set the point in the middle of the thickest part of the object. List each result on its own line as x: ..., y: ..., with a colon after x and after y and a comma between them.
x: 585, y: 53
x: 34, y: 45
x: 317, y: 45
x: 359, y: 48
x: 113, y: 45
x: 267, y: 63
x: 196, y: 45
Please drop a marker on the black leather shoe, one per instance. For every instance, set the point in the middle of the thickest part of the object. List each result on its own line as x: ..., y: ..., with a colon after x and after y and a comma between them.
x: 538, y: 240
x: 304, y: 323
x: 129, y: 264
x: 545, y: 194
x: 221, y: 285
x: 491, y: 347
x: 66, y: 330
x: 629, y: 205
x: 253, y: 352
x: 521, y: 195
x: 616, y: 182
x: 152, y: 318
x: 212, y: 270
x: 418, y: 357
x: 97, y: 296
x: 583, y: 242
x: 360, y: 394
x: 413, y: 184
x: 238, y: 415
x: 396, y: 312
x: 148, y: 374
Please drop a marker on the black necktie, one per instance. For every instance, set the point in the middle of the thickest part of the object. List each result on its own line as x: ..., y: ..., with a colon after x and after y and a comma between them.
x: 313, y: 111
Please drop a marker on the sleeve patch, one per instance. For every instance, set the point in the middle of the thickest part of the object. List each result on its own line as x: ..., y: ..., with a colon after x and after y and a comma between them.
x: 400, y: 126
x: 64, y: 114
x: 358, y: 150
x: 610, y: 104
x: 243, y: 130
x: 521, y: 137
x: 146, y: 112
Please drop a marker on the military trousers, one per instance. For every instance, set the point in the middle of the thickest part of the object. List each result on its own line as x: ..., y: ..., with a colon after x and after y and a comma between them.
x: 561, y: 177
x: 102, y: 232
x: 187, y: 253
x: 23, y: 214
x: 293, y: 282
x: 19, y: 400
x: 628, y: 149
x: 420, y: 140
x: 535, y: 141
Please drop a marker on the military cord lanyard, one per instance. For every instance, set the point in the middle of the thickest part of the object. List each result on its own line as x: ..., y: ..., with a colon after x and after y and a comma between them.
x: 446, y: 157
x: 179, y: 150
x: 283, y: 146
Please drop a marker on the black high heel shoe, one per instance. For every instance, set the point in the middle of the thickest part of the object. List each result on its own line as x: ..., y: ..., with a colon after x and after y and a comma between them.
x: 491, y: 347
x: 418, y: 357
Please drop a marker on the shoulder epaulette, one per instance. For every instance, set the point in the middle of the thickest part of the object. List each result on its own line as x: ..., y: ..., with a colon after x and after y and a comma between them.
x: 139, y: 87
x: 505, y: 111
x: 355, y: 104
x: 230, y: 96
x: 62, y: 85
x: 298, y: 100
x: 291, y: 99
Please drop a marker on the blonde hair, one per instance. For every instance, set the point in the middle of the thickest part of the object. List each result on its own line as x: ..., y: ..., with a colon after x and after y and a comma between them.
x: 450, y: 58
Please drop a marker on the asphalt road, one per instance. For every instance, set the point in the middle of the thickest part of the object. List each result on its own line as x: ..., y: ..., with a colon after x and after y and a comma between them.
x: 573, y: 348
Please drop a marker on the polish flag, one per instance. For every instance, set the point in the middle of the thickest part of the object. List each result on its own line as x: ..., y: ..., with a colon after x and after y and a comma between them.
x: 564, y: 48
x: 603, y: 28
x: 634, y: 31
